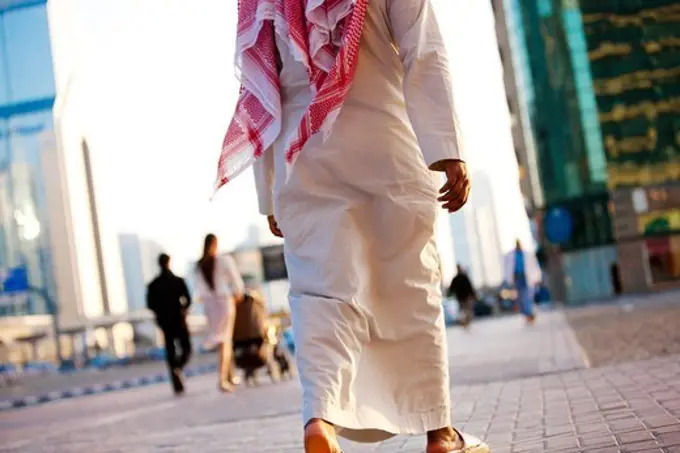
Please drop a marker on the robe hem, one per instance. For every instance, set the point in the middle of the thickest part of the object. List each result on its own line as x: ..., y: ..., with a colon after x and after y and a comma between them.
x: 349, y: 425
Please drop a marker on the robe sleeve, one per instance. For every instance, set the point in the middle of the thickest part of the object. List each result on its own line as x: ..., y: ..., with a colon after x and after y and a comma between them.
x: 427, y: 80
x: 263, y: 170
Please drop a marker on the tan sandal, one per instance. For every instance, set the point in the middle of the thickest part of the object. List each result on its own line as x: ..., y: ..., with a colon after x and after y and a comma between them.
x: 471, y: 444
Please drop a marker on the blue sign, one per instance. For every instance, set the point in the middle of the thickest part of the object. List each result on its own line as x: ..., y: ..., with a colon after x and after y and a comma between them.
x: 558, y: 225
x: 15, y: 281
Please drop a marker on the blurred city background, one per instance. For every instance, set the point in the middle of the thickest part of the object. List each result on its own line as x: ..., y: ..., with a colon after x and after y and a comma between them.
x: 111, y: 119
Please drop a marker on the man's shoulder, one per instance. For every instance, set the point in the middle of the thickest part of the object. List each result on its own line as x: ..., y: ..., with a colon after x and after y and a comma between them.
x: 154, y: 282
x: 178, y: 279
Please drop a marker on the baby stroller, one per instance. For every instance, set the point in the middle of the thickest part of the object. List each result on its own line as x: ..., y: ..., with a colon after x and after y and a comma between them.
x: 257, y: 342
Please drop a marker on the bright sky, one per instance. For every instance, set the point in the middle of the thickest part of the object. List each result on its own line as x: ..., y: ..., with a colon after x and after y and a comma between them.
x: 161, y: 89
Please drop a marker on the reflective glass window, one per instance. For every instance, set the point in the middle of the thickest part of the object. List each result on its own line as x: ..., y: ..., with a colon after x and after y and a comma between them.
x: 24, y: 239
x: 4, y: 70
x: 27, y: 72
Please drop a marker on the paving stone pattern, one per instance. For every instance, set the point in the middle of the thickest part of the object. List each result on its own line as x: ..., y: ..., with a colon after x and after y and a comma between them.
x: 629, y: 330
x: 562, y: 407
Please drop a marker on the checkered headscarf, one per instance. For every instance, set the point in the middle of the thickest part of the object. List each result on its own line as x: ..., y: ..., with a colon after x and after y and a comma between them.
x: 322, y: 34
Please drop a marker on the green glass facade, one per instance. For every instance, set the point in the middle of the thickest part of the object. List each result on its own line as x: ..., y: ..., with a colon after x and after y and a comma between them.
x: 564, y: 114
x: 604, y: 102
x: 634, y: 53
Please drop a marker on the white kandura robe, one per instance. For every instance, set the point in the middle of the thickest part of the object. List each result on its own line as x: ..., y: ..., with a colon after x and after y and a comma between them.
x: 358, y: 216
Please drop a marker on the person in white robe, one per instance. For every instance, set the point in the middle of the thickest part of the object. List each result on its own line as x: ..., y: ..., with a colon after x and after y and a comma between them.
x: 357, y: 213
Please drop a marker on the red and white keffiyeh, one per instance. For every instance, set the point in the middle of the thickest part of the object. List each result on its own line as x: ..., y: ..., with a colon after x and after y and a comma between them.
x: 324, y: 35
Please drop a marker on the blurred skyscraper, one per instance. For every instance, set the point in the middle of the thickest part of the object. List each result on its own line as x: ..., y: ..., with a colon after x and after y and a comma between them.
x: 139, y: 257
x: 476, y: 234
x: 599, y: 82
x: 50, y: 212
x: 27, y: 95
x: 496, y: 213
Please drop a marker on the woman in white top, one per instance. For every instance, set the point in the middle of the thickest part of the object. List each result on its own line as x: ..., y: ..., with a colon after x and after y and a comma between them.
x: 219, y: 287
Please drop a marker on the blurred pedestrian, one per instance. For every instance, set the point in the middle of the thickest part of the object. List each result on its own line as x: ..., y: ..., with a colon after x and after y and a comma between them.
x: 462, y: 289
x: 524, y: 274
x: 219, y: 286
x: 168, y: 298
x: 346, y: 111
x: 615, y: 278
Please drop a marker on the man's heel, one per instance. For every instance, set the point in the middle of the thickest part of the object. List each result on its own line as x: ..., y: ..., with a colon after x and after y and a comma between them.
x: 317, y: 440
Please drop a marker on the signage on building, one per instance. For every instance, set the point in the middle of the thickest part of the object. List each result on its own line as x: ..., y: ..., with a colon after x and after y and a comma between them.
x: 558, y: 225
x: 13, y: 285
x: 659, y: 222
x: 640, y: 203
x: 14, y: 280
x: 273, y: 264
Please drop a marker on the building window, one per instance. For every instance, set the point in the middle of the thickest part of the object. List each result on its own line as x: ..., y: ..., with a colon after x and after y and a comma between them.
x: 545, y: 8
x: 26, y: 55
x: 24, y: 239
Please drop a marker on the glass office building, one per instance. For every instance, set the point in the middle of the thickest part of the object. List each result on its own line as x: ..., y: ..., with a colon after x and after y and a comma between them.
x: 603, y: 91
x: 635, y: 58
x: 27, y: 94
x: 634, y: 53
x: 562, y: 102
x: 550, y: 56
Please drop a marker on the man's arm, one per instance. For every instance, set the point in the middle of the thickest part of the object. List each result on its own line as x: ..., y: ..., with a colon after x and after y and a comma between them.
x: 263, y: 170
x: 185, y: 293
x: 450, y: 289
x: 429, y: 95
x: 427, y: 80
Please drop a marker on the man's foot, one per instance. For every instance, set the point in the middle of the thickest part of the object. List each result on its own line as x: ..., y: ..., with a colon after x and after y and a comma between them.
x: 531, y: 319
x: 320, y: 438
x: 449, y: 440
x: 444, y: 440
x: 177, y: 379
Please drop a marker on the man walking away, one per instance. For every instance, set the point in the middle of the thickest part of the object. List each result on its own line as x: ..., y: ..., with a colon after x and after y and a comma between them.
x: 169, y: 299
x: 461, y: 288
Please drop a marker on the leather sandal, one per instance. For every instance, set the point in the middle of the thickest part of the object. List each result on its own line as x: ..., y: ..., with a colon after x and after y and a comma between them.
x: 471, y: 444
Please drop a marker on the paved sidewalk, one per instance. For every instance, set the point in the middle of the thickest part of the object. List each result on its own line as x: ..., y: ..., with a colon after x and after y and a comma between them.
x: 629, y: 329
x: 500, y: 349
x: 523, y: 389
x: 33, y: 390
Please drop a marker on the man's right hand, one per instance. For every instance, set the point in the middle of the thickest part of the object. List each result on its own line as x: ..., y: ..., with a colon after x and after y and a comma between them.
x: 454, y: 194
x: 274, y: 227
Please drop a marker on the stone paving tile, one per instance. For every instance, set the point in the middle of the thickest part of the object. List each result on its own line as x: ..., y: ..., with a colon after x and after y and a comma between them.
x: 632, y: 407
x: 502, y: 349
x: 617, y: 409
x: 628, y: 330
